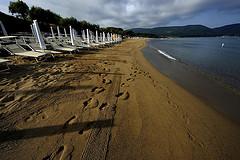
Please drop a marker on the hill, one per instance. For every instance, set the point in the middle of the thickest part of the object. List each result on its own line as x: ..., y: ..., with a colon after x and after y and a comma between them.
x: 190, y: 31
x: 230, y: 30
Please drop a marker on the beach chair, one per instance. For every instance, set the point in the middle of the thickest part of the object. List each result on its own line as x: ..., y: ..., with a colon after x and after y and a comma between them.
x: 39, y: 45
x: 76, y: 41
x: 17, y: 50
x: 97, y: 40
x: 9, y: 44
x: 33, y: 46
x: 58, y: 46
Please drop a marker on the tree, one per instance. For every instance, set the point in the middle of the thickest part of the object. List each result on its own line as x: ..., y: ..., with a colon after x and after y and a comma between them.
x: 19, y: 8
x: 44, y: 16
x: 114, y: 30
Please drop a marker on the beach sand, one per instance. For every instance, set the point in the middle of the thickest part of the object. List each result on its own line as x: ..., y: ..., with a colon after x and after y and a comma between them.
x: 107, y: 104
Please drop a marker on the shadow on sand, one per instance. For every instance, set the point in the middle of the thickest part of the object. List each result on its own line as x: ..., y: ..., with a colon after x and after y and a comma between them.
x: 53, y: 130
x: 52, y: 89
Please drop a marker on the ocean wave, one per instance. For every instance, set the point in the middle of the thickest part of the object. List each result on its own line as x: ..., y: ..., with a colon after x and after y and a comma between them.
x: 166, y: 55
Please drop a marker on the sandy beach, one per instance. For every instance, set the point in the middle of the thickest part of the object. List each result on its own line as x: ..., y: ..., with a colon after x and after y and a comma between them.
x: 107, y: 104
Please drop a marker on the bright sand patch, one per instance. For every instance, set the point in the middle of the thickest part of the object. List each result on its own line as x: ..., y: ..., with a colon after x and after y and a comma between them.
x: 110, y: 104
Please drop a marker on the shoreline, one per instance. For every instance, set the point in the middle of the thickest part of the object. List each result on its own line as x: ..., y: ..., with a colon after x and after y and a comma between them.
x: 108, y: 104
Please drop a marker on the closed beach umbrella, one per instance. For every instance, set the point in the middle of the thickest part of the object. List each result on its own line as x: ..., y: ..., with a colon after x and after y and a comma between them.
x: 39, y: 35
x: 53, y: 36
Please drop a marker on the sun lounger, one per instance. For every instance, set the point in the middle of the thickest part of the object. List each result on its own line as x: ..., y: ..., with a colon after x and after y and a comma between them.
x: 30, y: 54
x: 58, y: 46
x: 35, y: 47
x: 67, y: 43
x: 15, y: 49
x: 30, y: 44
x: 7, y: 37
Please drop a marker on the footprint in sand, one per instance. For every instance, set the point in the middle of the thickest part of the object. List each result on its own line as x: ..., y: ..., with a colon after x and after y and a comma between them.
x: 61, y: 153
x: 67, y: 152
x: 102, y: 75
x: 106, y: 69
x: 70, y: 121
x: 85, y: 103
x: 107, y: 81
x: 29, y: 119
x: 130, y: 79
x: 123, y: 95
x: 108, y: 63
x: 103, y: 106
x: 133, y: 75
x: 44, y: 116
x: 98, y: 89
x: 36, y: 117
x: 124, y: 85
x: 90, y: 103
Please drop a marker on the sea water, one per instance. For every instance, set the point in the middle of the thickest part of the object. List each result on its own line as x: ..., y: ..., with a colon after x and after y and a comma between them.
x: 208, y: 67
x: 218, y: 56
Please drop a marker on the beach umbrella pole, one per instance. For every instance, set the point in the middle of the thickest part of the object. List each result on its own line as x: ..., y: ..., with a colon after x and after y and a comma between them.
x: 88, y: 41
x: 96, y: 36
x: 65, y: 32
x: 71, y: 35
x: 59, y: 34
x: 53, y: 36
x: 39, y: 35
x: 34, y: 33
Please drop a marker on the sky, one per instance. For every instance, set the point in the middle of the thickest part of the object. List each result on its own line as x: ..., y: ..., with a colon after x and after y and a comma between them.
x: 143, y: 13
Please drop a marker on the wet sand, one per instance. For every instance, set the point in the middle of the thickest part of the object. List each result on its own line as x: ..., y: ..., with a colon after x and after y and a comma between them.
x: 107, y: 104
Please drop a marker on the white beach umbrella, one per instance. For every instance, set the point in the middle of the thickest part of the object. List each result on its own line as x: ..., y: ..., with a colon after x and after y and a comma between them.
x: 53, y: 36
x: 96, y: 36
x: 103, y: 36
x: 91, y: 35
x: 74, y: 34
x: 108, y: 37
x: 39, y: 35
x: 88, y: 41
x: 65, y: 32
x: 71, y: 35
x: 58, y: 30
x: 34, y: 33
x: 111, y: 37
x: 84, y: 35
x: 100, y: 37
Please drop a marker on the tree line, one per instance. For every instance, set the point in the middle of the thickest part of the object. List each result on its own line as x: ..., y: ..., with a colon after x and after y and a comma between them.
x: 48, y: 18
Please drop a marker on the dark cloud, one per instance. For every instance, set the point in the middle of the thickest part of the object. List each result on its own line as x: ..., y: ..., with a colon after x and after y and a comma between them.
x: 136, y: 13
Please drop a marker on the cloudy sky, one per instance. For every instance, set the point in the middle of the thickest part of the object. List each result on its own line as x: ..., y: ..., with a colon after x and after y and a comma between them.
x: 143, y: 13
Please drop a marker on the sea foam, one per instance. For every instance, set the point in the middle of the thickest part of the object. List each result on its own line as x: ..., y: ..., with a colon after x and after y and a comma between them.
x: 166, y: 55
